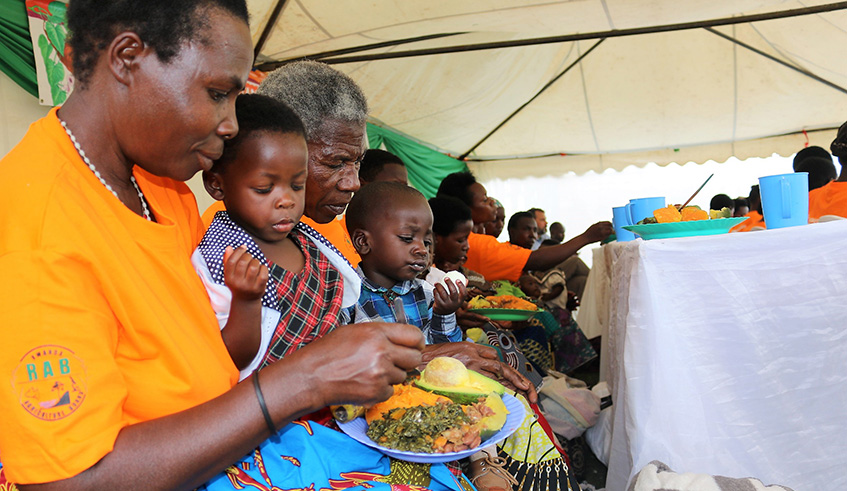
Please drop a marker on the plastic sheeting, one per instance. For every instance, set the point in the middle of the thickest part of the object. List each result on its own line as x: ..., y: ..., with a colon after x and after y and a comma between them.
x: 726, y: 356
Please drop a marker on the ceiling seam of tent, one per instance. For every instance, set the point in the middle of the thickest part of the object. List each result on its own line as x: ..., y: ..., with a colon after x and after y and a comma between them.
x: 744, y: 19
x: 313, y: 19
x: 588, y: 105
x: 382, y: 44
x: 608, y: 14
x: 527, y: 103
x: 777, y: 60
x: 565, y: 154
x: 734, y: 90
x: 788, y: 55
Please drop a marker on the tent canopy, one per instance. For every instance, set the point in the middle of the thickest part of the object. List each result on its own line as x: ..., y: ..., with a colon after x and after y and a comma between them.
x: 718, y: 79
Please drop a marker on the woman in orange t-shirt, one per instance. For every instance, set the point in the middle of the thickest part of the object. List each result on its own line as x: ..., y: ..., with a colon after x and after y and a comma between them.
x: 119, y: 376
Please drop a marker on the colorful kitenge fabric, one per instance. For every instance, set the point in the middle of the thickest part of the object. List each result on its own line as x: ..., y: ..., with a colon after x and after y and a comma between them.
x: 533, y: 342
x: 507, y: 349
x: 296, y: 458
x: 309, y: 302
x: 568, y: 344
x: 376, y: 304
x: 532, y: 457
x: 4, y: 484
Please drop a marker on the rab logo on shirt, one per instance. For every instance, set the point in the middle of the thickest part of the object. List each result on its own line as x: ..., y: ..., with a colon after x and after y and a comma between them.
x: 50, y: 382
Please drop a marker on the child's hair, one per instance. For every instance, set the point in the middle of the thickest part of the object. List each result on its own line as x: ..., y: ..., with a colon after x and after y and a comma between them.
x: 720, y: 201
x: 513, y: 221
x: 809, y: 152
x: 374, y: 161
x: 458, y: 185
x: 820, y: 170
x: 258, y: 113
x: 447, y: 213
x: 376, y: 196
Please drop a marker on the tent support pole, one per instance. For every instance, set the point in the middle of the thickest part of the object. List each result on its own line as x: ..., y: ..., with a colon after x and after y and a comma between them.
x: 269, y: 27
x: 516, y: 111
x: 744, y: 19
x: 273, y: 65
x: 777, y: 60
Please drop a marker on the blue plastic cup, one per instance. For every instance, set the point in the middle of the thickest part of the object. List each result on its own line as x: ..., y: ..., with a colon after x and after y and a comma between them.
x: 620, y: 218
x: 785, y: 199
x: 641, y: 208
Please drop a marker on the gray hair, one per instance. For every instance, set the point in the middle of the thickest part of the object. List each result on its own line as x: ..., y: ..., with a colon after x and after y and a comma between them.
x: 316, y: 92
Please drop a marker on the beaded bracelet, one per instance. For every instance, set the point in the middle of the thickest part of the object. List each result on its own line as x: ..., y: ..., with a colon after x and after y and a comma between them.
x: 261, y: 398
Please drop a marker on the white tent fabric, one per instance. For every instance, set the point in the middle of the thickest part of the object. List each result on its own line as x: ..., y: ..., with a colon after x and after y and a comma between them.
x: 687, y: 95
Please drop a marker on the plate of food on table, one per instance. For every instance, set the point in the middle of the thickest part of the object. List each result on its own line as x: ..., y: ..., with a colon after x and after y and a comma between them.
x: 670, y: 222
x: 503, y: 307
x: 445, y: 413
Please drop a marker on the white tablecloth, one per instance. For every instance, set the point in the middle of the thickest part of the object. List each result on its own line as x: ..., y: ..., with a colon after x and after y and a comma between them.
x: 728, y: 355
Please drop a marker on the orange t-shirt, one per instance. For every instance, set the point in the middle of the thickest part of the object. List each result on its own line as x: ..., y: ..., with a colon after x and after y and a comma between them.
x: 830, y: 199
x: 334, y: 231
x: 755, y: 220
x: 103, y: 320
x: 495, y: 260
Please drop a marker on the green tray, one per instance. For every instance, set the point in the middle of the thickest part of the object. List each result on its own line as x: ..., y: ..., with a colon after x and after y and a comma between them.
x: 716, y: 226
x: 505, y: 314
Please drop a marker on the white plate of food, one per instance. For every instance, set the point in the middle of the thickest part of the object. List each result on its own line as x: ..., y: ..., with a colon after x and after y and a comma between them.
x: 357, y: 429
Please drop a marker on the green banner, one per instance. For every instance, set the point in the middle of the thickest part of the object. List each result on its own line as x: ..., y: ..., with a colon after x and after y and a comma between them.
x: 16, y: 59
x: 426, y: 167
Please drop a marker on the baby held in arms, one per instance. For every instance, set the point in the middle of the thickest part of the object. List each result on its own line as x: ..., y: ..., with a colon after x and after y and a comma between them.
x: 271, y: 288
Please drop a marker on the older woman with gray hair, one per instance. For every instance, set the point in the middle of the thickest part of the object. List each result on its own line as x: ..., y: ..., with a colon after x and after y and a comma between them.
x: 333, y: 110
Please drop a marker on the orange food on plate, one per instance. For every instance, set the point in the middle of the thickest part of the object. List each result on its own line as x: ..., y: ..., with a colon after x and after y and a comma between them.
x: 667, y: 215
x: 693, y: 213
x: 511, y: 302
x: 404, y: 396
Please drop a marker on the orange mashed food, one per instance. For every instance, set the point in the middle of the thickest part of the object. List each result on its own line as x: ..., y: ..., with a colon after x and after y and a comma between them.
x: 511, y: 302
x: 404, y: 396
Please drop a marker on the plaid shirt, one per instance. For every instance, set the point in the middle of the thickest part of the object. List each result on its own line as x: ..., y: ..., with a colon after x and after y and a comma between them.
x: 308, y: 302
x: 376, y: 304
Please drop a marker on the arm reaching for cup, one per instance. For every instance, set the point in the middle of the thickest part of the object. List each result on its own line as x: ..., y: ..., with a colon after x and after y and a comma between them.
x: 548, y: 257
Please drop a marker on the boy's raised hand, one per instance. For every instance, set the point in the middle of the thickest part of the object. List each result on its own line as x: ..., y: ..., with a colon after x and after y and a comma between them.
x: 244, y: 275
x: 448, y: 299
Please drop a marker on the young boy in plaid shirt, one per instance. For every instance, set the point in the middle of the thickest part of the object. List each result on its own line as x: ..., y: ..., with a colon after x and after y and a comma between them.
x: 390, y: 225
x: 271, y: 287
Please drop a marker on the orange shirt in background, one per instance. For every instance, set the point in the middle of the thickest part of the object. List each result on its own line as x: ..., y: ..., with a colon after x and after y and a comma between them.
x: 103, y: 320
x: 495, y: 260
x: 830, y: 199
x: 209, y: 214
x: 755, y: 220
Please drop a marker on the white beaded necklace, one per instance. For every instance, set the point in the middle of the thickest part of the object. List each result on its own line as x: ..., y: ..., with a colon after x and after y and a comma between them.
x: 145, y: 210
